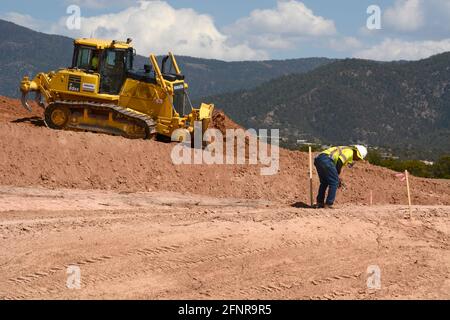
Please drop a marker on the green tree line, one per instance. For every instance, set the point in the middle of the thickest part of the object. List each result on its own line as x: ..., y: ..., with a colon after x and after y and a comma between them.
x: 440, y: 169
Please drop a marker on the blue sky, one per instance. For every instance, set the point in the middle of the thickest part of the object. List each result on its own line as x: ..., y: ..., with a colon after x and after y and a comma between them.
x: 250, y: 29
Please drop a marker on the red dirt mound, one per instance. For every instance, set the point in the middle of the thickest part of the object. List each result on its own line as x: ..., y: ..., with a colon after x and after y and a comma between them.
x: 33, y: 155
x: 221, y: 122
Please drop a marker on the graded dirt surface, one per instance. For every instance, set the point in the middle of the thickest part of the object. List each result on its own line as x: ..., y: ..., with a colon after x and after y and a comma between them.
x: 172, y: 246
x: 139, y: 227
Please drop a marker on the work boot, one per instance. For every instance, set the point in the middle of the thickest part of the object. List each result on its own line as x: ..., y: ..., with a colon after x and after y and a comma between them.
x: 328, y: 206
x: 319, y: 206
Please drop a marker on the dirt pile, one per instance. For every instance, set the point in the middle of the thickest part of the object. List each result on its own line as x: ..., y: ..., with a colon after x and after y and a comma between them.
x: 221, y: 122
x: 33, y: 155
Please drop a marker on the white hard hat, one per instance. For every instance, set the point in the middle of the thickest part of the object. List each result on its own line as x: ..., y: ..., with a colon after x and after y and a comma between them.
x: 362, y: 151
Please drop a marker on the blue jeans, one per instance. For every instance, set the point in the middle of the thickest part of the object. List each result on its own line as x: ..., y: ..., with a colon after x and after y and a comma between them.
x: 329, y: 179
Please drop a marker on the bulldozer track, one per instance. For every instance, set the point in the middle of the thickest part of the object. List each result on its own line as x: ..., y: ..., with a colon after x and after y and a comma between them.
x: 147, y: 122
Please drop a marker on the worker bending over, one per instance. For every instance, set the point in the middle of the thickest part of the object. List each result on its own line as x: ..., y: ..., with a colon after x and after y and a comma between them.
x: 329, y: 165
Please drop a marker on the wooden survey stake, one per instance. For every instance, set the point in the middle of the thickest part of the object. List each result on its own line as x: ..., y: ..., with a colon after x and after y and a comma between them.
x: 310, y: 178
x: 409, y: 193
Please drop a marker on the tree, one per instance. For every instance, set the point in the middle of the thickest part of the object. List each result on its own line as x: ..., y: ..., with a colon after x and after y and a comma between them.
x: 441, y: 169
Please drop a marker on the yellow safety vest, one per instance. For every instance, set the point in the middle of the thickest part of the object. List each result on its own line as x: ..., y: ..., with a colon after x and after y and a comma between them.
x: 345, y: 154
x: 94, y: 63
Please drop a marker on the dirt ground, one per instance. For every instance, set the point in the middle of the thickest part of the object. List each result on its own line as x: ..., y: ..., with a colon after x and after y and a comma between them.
x: 139, y: 227
x: 172, y: 246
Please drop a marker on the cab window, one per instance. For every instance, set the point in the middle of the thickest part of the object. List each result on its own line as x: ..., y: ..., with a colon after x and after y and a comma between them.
x: 111, y: 58
x: 83, y: 60
x: 113, y: 71
x: 129, y: 59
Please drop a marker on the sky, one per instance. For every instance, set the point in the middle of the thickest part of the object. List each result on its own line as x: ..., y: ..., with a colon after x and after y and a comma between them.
x: 234, y: 30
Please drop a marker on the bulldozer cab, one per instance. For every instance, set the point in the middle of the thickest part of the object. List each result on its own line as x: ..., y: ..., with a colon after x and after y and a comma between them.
x: 111, y: 61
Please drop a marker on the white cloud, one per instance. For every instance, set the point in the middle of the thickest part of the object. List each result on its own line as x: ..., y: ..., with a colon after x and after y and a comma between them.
x: 405, y: 15
x: 396, y: 49
x: 100, y: 4
x: 345, y: 44
x: 414, y: 18
x: 412, y: 29
x: 281, y: 27
x: 24, y: 20
x: 270, y: 41
x: 289, y: 17
x: 155, y: 27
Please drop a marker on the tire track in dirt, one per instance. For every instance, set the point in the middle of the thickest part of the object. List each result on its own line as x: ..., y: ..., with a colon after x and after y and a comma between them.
x: 273, y: 288
x: 276, y: 287
x: 171, y: 265
x: 57, y: 224
x: 26, y: 280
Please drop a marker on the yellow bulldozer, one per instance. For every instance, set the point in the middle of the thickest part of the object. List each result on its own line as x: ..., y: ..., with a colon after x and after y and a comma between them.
x: 101, y: 92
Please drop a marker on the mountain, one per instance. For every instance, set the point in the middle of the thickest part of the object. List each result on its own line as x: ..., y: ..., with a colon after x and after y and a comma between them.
x: 208, y: 77
x: 404, y: 106
x: 27, y: 52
